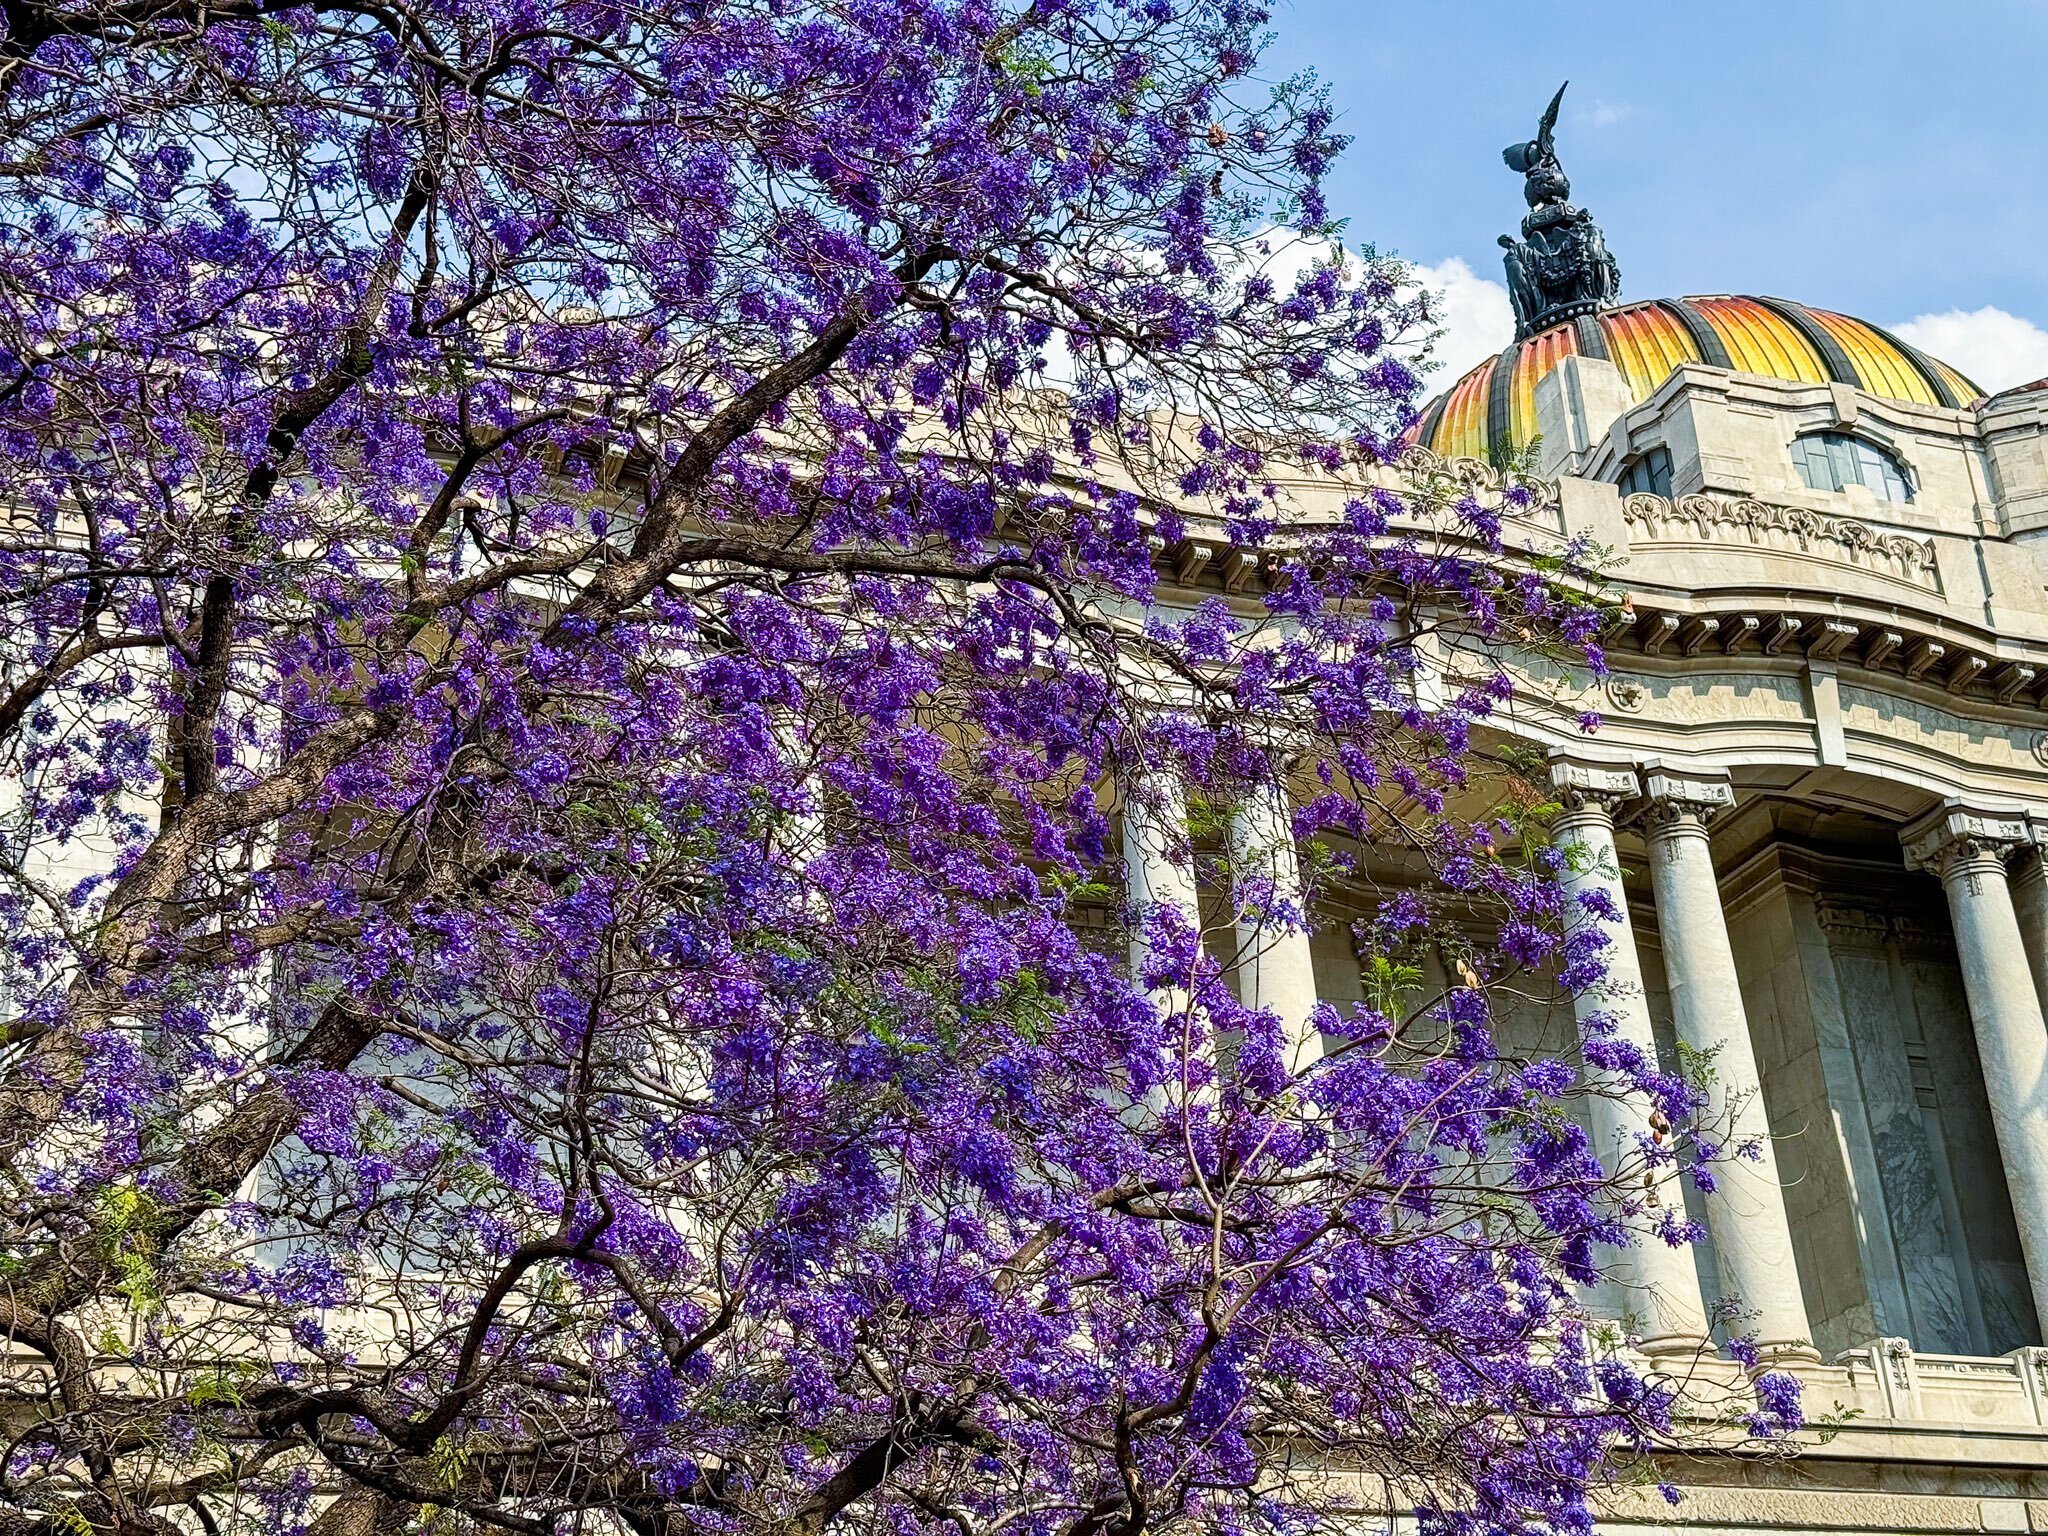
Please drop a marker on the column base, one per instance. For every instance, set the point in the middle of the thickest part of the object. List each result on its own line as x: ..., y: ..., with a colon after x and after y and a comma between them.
x: 1668, y: 1349
x: 1796, y: 1352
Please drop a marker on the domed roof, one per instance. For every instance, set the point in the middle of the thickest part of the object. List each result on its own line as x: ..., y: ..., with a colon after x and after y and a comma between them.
x: 1495, y: 404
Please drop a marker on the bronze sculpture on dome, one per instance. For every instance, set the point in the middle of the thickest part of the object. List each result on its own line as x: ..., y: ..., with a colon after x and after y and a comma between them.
x: 1561, y: 266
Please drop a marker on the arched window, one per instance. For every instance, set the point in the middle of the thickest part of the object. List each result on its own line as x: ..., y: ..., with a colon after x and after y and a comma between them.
x: 1830, y: 461
x: 1647, y: 471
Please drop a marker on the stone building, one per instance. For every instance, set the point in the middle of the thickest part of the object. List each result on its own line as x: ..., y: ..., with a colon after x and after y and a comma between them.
x: 1821, y: 789
x: 1824, y: 774
x: 1825, y: 764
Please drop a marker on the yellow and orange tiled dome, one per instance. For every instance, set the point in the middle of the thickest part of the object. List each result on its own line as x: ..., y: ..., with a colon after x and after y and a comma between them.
x: 1494, y: 405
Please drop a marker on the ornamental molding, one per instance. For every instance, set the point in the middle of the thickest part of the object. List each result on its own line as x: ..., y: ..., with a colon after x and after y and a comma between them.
x: 1917, y: 940
x: 1625, y: 695
x: 1894, y: 646
x: 1898, y: 1355
x: 1678, y: 796
x: 1475, y: 477
x: 1856, y: 929
x: 1956, y: 835
x: 1845, y: 924
x: 1708, y: 519
x: 1585, y: 783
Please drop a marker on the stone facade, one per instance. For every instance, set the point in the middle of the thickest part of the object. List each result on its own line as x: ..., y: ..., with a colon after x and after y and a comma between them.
x: 1869, y: 674
x: 1822, y: 794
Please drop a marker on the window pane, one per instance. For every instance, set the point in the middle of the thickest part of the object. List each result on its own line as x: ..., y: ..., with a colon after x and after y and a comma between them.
x: 1882, y: 473
x: 1833, y: 461
x: 1811, y: 456
x: 1842, y: 458
x: 1650, y: 471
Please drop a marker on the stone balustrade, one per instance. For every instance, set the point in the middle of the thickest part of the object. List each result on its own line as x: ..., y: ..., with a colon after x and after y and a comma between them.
x: 1887, y: 1380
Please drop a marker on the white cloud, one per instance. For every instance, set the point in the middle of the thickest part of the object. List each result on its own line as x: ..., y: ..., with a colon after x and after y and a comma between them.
x: 1995, y: 349
x: 1474, y: 313
x: 1605, y: 114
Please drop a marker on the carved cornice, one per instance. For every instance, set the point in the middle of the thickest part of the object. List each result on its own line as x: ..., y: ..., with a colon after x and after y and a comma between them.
x: 1709, y: 519
x: 1206, y: 556
x: 1888, y: 647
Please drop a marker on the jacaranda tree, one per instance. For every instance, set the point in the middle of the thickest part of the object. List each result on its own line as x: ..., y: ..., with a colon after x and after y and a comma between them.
x: 579, y: 593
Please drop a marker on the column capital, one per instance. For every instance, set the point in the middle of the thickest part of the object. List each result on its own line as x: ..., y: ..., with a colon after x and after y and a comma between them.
x: 1681, y: 796
x: 1959, y: 833
x: 2032, y: 868
x: 1592, y: 785
x: 1285, y: 743
x: 1156, y: 692
x: 1848, y: 925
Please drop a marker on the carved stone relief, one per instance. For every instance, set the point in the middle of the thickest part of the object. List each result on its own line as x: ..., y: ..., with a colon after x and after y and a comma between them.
x: 1709, y: 519
x: 1476, y: 477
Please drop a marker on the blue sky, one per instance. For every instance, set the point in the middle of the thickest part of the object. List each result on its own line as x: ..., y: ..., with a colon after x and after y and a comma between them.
x: 1882, y: 158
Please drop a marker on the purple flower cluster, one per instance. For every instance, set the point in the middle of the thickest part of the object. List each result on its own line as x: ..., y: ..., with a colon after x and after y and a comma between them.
x: 580, y: 586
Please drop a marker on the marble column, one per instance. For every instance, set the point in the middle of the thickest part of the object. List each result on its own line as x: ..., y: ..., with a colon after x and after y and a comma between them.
x: 1746, y: 1209
x: 1657, y: 1285
x: 1274, y: 966
x: 2030, y: 901
x: 1967, y: 847
x: 1159, y: 867
x: 1159, y: 874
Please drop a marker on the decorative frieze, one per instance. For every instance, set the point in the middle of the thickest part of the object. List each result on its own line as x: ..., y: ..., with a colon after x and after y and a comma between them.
x: 1710, y: 519
x: 1476, y: 477
x: 1916, y: 939
x: 1852, y: 925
